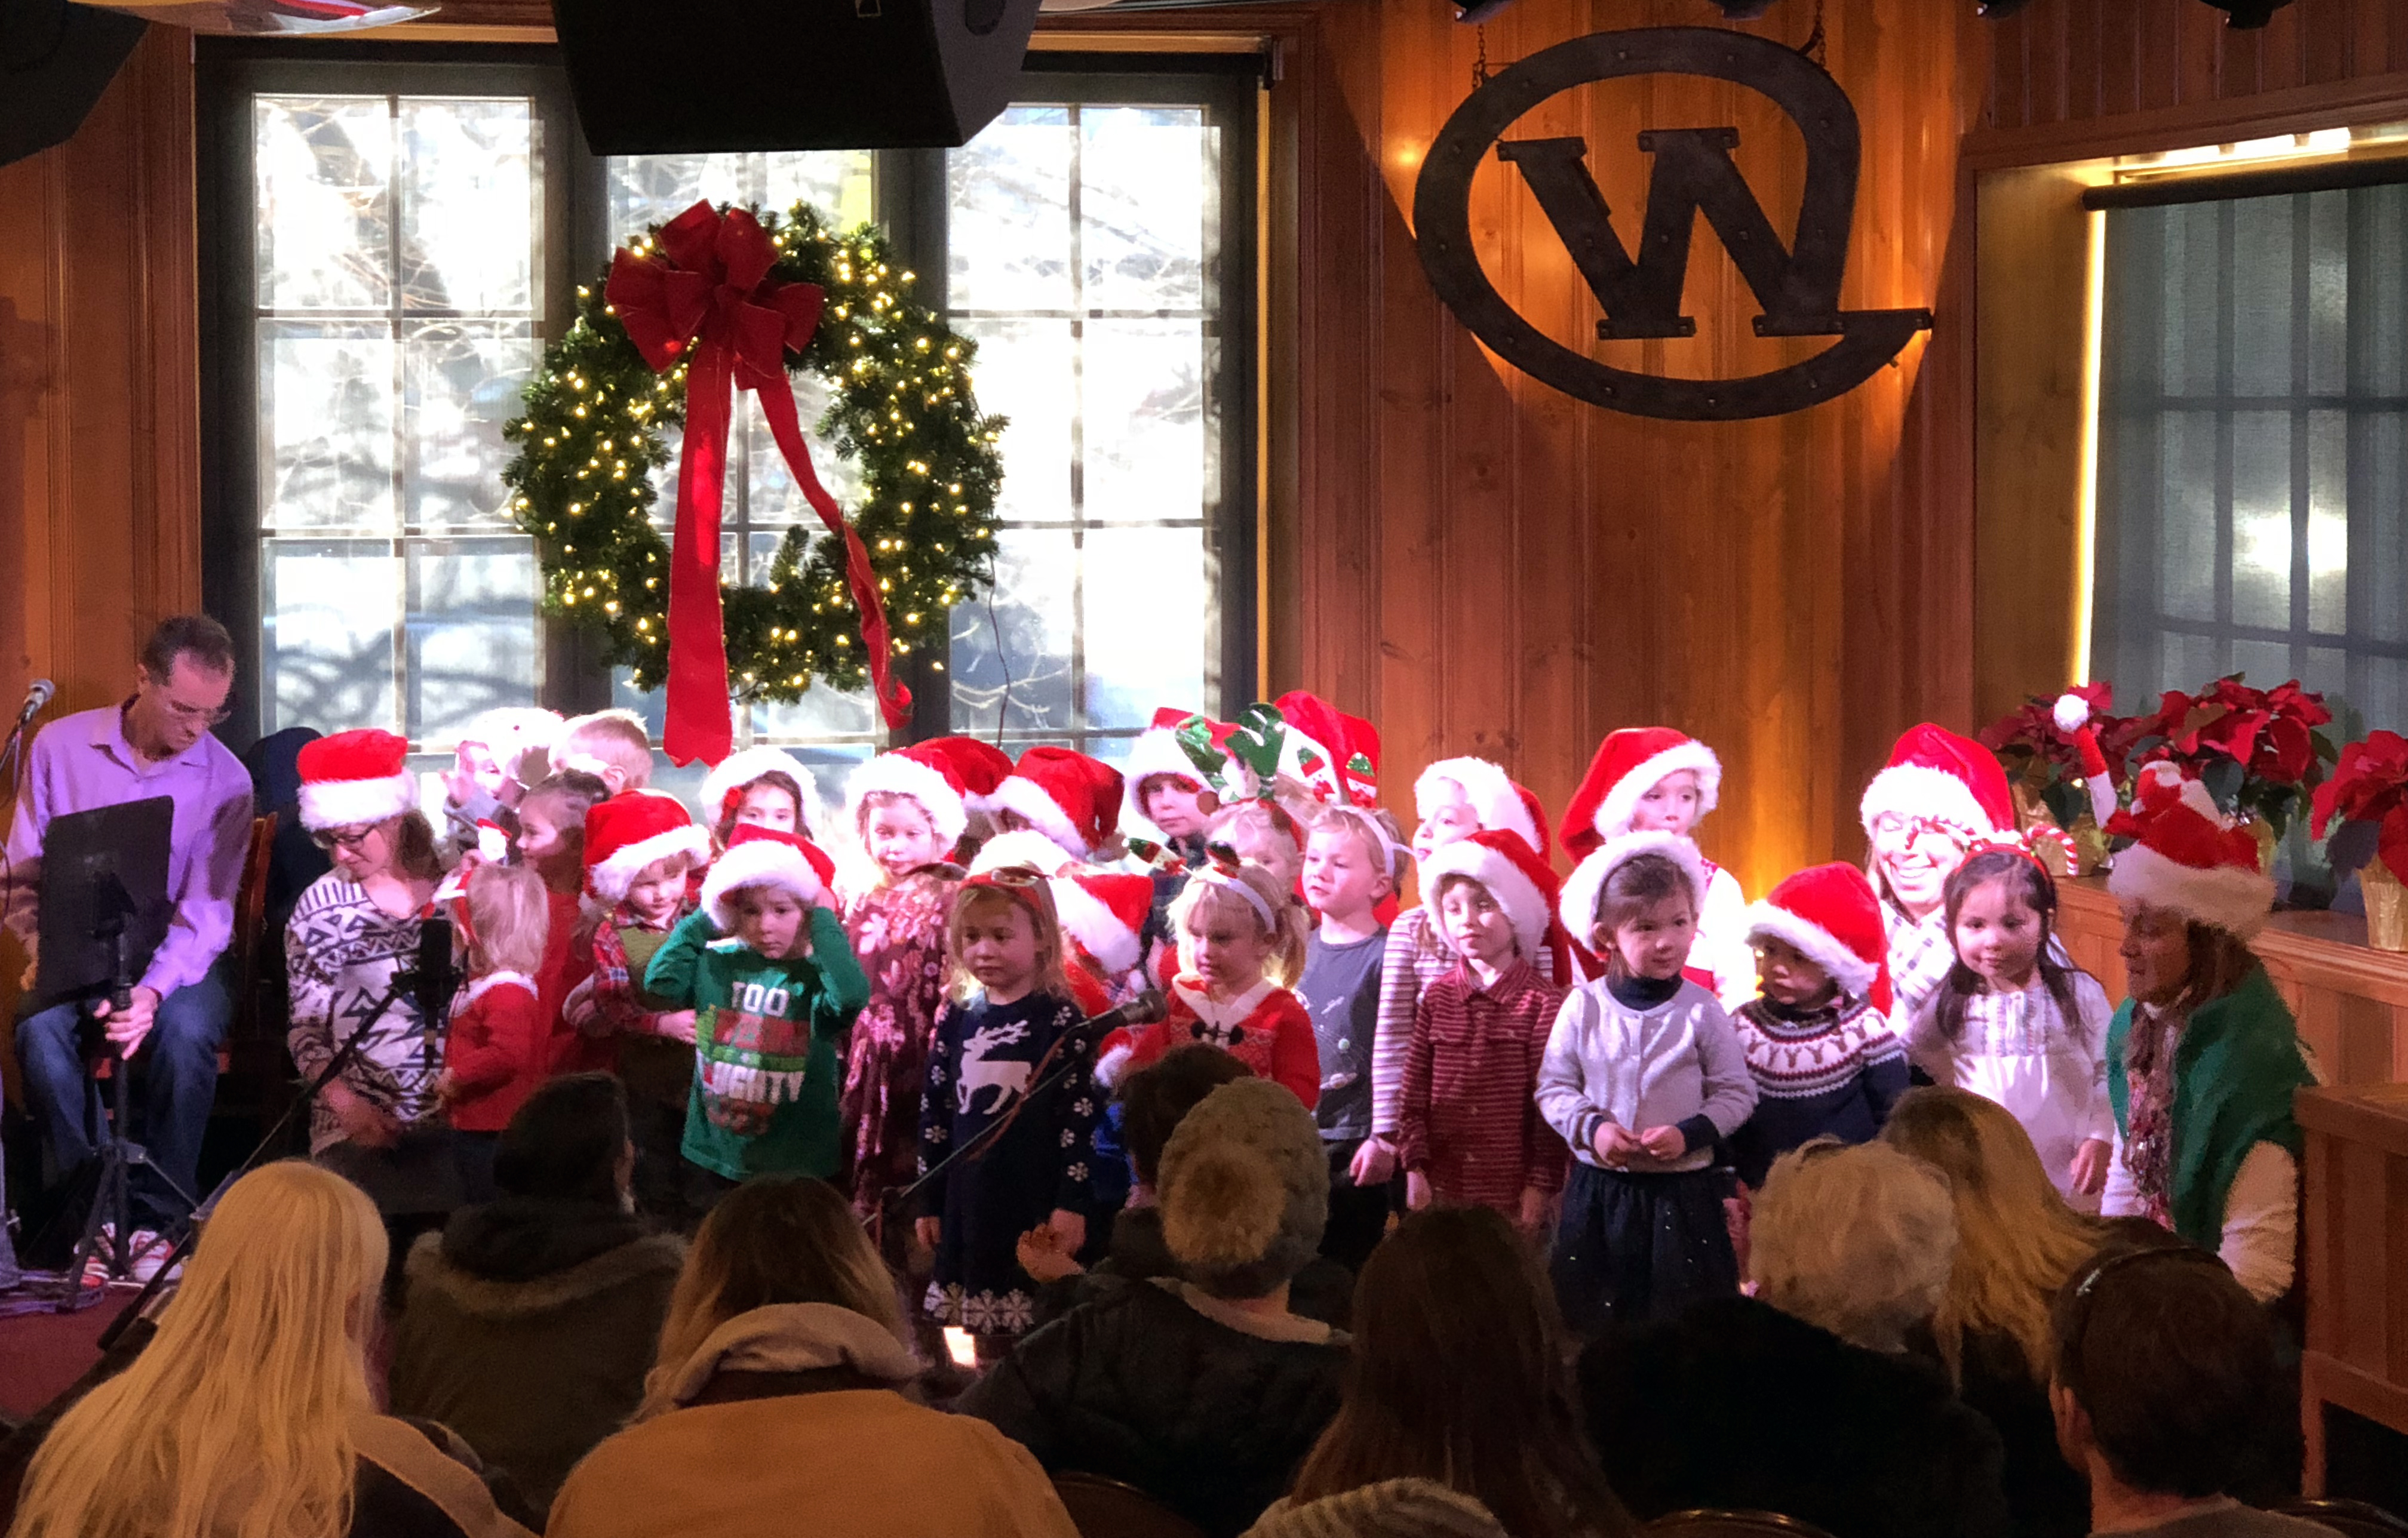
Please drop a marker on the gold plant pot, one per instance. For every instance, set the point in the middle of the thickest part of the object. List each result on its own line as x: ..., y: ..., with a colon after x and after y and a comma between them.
x: 2387, y: 907
x: 2263, y: 831
x: 2089, y: 845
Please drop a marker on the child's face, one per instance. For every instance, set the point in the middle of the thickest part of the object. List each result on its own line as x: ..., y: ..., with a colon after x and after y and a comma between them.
x: 764, y: 806
x: 1340, y: 876
x: 658, y: 891
x: 999, y: 947
x: 1477, y: 923
x: 1180, y: 807
x: 1226, y: 949
x: 1446, y: 816
x: 1670, y: 806
x: 898, y: 838
x: 769, y: 919
x: 1999, y: 935
x: 1785, y: 977
x: 545, y: 837
x: 1654, y: 942
x: 475, y: 763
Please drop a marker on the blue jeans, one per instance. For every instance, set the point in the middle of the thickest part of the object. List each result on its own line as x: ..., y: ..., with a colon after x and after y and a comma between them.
x: 174, y: 1084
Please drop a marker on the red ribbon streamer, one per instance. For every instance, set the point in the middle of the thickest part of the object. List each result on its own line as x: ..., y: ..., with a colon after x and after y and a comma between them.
x: 711, y: 304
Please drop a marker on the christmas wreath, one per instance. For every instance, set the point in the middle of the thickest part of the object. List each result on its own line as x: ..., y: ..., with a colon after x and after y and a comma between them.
x: 719, y: 294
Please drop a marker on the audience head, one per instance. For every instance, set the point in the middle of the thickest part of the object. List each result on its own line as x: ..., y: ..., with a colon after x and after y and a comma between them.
x: 237, y: 1418
x: 1237, y: 927
x: 510, y: 918
x: 181, y: 687
x: 775, y: 1239
x: 1157, y: 1098
x: 610, y: 745
x: 1244, y: 1189
x: 1858, y: 1241
x: 569, y: 1143
x: 2017, y: 1240
x: 2164, y: 1370
x: 1457, y: 1376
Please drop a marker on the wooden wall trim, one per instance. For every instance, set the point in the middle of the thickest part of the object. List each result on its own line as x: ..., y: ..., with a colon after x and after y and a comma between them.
x: 2381, y: 98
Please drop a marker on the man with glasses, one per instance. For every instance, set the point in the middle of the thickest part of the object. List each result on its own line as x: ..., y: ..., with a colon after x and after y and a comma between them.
x: 155, y: 744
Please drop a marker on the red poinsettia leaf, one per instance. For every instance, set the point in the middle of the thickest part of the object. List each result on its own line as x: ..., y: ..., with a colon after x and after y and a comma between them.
x: 2393, y: 848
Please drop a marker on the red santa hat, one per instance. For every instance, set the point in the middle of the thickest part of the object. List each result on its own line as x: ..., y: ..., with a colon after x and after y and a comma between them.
x: 1334, y: 755
x: 1830, y: 915
x: 631, y: 830
x: 981, y: 766
x: 1584, y: 889
x: 1022, y: 846
x: 1157, y: 753
x: 765, y: 856
x: 2191, y: 859
x: 1935, y: 775
x: 930, y: 773
x: 1629, y: 763
x: 1105, y: 911
x: 737, y: 772
x: 1503, y: 861
x: 1071, y: 798
x: 1496, y: 800
x: 353, y: 778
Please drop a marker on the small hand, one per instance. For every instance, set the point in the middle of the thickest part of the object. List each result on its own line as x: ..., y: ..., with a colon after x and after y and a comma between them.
x: 447, y: 1089
x: 362, y: 1122
x: 1417, y: 1191
x: 1614, y: 1146
x: 2091, y: 1166
x: 1069, y: 1229
x: 1040, y: 1254
x: 1664, y: 1142
x: 1375, y: 1161
x: 677, y: 1025
x: 126, y: 1027
x: 1535, y: 1209
x: 929, y: 1230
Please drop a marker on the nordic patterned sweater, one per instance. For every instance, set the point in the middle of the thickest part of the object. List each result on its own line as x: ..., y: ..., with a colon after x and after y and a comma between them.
x: 768, y: 1044
x: 1836, y: 1069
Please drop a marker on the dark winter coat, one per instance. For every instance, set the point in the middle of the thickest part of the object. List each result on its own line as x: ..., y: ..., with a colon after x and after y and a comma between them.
x: 1736, y: 1405
x: 1157, y: 1387
x: 1323, y: 1290
x: 527, y: 1328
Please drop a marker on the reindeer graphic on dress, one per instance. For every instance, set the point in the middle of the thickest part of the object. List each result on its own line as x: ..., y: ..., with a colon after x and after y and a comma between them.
x: 1007, y: 1078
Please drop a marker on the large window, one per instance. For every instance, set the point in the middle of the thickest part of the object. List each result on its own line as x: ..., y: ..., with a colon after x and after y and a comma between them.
x: 2253, y: 484
x: 395, y: 240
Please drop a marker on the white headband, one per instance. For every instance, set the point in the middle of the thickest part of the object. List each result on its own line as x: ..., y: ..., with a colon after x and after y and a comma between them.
x: 1212, y: 875
x: 1397, y: 855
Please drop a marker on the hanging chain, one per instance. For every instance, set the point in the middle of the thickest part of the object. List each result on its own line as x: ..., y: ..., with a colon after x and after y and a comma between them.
x: 1813, y: 46
x: 1480, y: 63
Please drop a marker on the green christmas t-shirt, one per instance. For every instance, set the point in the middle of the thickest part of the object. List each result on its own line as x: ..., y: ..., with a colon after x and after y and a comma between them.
x: 768, y: 1044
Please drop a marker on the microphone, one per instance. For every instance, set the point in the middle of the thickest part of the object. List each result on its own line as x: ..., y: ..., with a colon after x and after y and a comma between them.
x: 39, y: 695
x: 434, y: 979
x: 1146, y: 1008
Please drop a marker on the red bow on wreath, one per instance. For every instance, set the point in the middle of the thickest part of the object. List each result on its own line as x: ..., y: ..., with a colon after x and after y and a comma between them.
x: 707, y: 300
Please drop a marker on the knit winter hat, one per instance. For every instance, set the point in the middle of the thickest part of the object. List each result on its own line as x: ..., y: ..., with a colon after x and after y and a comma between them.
x: 1244, y: 1189
x: 1022, y: 846
x: 1496, y: 800
x: 629, y: 831
x: 1935, y: 775
x: 1629, y: 763
x: 1503, y: 861
x: 930, y: 773
x: 352, y: 779
x: 735, y: 774
x: 1105, y: 911
x: 1584, y: 889
x: 1334, y: 755
x: 1830, y: 915
x: 2191, y: 858
x: 1071, y: 798
x: 765, y: 856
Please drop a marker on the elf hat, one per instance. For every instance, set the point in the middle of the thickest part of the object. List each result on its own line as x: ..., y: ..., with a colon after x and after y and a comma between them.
x: 1105, y: 911
x: 1935, y: 775
x: 929, y: 773
x: 1071, y: 798
x: 1157, y: 752
x: 1584, y: 889
x: 629, y: 831
x: 2191, y: 858
x: 1244, y: 1189
x: 765, y: 856
x: 352, y: 779
x: 736, y: 773
x: 1496, y: 800
x: 1629, y: 763
x: 1022, y: 846
x: 1503, y: 861
x: 1830, y: 915
x: 981, y: 766
x: 1333, y: 755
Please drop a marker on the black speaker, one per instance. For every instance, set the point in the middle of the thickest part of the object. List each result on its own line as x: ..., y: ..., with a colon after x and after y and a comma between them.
x: 55, y: 60
x: 681, y: 77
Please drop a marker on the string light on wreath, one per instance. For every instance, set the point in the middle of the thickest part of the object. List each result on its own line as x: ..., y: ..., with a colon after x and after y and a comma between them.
x: 599, y: 423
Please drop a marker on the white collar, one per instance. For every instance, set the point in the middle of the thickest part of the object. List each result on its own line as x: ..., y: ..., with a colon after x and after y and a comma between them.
x: 795, y: 1338
x: 478, y: 987
x: 1211, y: 1012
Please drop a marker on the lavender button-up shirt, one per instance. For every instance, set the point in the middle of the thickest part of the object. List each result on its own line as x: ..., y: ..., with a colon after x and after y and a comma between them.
x: 82, y: 762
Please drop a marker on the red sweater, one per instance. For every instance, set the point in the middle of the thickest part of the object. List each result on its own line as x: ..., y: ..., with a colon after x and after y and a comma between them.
x: 1469, y: 1117
x: 499, y: 1050
x: 568, y: 960
x: 1266, y: 1028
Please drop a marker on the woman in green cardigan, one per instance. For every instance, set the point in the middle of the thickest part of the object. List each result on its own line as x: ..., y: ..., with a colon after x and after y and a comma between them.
x: 2203, y: 1057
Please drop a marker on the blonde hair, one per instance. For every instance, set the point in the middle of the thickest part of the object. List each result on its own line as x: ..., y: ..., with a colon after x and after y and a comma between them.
x: 1287, y: 931
x: 2017, y: 1240
x: 1369, y: 826
x: 1263, y: 833
x: 1858, y: 1241
x: 509, y: 918
x: 775, y: 1239
x: 617, y: 738
x: 1035, y: 900
x: 238, y: 1420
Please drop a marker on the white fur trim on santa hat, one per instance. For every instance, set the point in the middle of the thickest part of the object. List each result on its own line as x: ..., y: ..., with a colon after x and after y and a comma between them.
x: 1028, y: 798
x: 612, y: 877
x: 1852, y: 972
x: 2228, y: 897
x: 745, y: 765
x: 355, y: 802
x: 1621, y: 802
x: 1586, y: 886
x: 1084, y: 918
x: 1496, y: 801
x: 1525, y: 906
x: 757, y: 863
x: 1919, y: 790
x: 1022, y: 846
x: 899, y: 774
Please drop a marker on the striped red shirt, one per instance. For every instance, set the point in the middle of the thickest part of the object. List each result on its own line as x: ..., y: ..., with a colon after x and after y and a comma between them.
x: 1470, y: 1116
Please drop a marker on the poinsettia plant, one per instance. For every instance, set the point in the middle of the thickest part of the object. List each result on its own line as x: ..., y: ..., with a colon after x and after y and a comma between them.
x: 2363, y: 807
x: 2068, y: 752
x: 2257, y: 750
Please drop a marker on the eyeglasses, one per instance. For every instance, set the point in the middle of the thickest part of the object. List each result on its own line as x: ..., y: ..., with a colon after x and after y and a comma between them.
x: 191, y: 715
x: 347, y: 839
